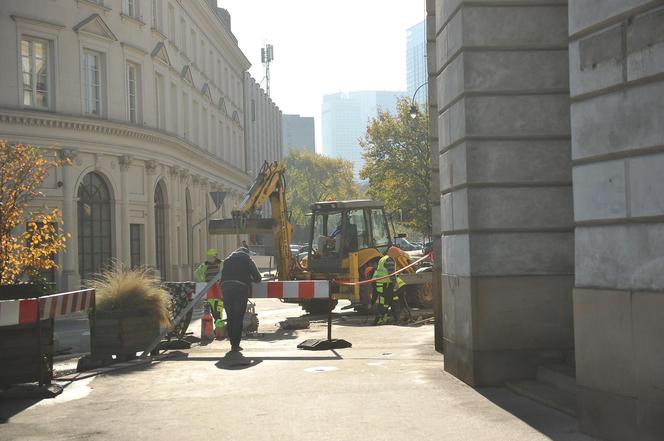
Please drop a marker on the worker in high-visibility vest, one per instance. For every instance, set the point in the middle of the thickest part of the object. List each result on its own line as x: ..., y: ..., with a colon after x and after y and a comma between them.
x: 204, y: 273
x: 388, y: 291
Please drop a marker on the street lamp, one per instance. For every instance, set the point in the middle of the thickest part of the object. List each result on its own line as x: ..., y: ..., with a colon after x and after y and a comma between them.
x: 413, y: 107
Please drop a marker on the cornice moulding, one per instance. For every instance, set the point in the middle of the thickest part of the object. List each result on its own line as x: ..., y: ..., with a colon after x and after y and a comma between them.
x: 34, y: 22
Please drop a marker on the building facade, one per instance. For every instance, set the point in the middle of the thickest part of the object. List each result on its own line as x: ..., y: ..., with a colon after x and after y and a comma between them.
x: 416, y: 62
x: 299, y: 133
x: 549, y: 137
x: 146, y: 99
x: 345, y: 120
x: 263, y: 128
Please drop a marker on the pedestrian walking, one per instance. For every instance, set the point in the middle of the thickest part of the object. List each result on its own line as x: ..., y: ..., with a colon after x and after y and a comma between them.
x: 239, y: 270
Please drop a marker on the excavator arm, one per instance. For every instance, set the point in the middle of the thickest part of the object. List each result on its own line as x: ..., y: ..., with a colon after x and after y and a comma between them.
x: 269, y: 184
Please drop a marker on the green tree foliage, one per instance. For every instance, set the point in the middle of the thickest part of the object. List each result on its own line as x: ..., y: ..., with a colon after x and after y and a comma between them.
x: 398, y: 164
x: 311, y: 177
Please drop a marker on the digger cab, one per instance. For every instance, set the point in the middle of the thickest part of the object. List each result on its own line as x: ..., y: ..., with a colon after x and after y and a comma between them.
x: 339, y: 228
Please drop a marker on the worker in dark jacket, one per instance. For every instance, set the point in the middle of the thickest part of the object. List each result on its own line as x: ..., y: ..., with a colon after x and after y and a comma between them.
x: 236, y: 276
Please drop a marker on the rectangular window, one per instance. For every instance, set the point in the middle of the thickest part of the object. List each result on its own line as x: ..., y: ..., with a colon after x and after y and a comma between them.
x: 160, y: 111
x: 156, y: 14
x: 132, y: 92
x: 185, y: 115
x: 136, y: 244
x: 220, y: 140
x: 213, y: 133
x: 131, y: 8
x: 193, y: 53
x: 204, y: 118
x: 35, y: 70
x: 174, y: 108
x: 171, y: 23
x: 183, y: 35
x: 92, y: 83
x: 218, y: 76
x: 195, y: 136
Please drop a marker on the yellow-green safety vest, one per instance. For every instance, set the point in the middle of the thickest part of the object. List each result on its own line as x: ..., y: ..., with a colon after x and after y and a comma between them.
x: 381, y: 271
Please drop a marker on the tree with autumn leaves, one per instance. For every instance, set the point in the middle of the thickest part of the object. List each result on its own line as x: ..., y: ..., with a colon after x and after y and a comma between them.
x: 23, y: 168
x: 398, y: 164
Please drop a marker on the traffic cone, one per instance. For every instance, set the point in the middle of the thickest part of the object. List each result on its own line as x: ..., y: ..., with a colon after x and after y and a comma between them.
x: 207, y: 324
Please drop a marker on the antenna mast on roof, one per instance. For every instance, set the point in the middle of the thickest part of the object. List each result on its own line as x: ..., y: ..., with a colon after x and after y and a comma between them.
x: 267, y: 56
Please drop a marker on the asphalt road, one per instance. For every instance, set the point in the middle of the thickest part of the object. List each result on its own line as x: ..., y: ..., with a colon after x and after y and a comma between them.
x: 389, y: 386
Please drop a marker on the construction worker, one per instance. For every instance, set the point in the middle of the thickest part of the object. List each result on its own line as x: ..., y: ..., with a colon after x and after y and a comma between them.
x: 388, y: 291
x: 239, y: 270
x: 206, y: 272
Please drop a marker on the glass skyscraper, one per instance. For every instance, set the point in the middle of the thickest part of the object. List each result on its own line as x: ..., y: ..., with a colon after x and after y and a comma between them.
x: 416, y: 61
x: 345, y: 120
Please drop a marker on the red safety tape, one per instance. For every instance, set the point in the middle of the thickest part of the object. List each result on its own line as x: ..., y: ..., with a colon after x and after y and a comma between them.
x: 364, y: 282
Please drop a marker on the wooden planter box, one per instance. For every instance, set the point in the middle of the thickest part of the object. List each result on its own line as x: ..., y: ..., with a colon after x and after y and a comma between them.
x: 121, y: 333
x: 27, y: 353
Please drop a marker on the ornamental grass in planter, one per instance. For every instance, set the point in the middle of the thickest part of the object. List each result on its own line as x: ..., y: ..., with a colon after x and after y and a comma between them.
x: 131, y: 306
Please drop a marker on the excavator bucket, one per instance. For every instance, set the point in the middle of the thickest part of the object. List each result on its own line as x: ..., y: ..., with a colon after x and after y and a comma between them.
x: 239, y: 226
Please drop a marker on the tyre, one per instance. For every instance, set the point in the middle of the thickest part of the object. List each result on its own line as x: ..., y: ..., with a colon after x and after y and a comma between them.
x: 420, y: 296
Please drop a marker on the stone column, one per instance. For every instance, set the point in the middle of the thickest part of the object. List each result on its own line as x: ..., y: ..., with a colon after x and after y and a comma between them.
x: 125, y: 249
x: 151, y: 172
x: 71, y: 278
x: 505, y: 182
x: 436, y: 230
x: 617, y: 89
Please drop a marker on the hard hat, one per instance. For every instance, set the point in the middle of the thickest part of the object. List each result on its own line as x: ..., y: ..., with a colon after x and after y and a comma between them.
x: 212, y: 252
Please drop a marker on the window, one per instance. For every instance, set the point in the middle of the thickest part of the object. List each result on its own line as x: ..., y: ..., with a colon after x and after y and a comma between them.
x: 201, y: 65
x: 183, y: 34
x: 204, y: 118
x: 136, y: 244
x: 185, y: 114
x: 379, y: 229
x: 174, y: 108
x: 156, y: 15
x: 91, y: 83
x: 171, y: 22
x: 253, y: 110
x: 160, y: 111
x: 193, y: 53
x: 160, y: 228
x: 132, y: 92
x: 357, y: 237
x: 35, y: 70
x: 195, y: 136
x: 131, y: 8
x: 218, y: 77
x: 94, y: 225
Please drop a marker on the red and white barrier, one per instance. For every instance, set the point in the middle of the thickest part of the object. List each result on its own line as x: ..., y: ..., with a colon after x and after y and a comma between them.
x: 20, y: 312
x: 292, y: 289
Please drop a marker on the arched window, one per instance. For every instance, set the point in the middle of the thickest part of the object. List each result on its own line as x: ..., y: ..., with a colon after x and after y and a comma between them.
x: 94, y: 225
x: 160, y: 228
x: 190, y: 233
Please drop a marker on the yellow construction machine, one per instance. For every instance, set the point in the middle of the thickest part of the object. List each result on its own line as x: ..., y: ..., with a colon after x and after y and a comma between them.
x: 345, y: 237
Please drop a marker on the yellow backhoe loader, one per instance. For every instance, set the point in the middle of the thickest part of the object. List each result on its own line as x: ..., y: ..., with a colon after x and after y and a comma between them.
x: 344, y: 238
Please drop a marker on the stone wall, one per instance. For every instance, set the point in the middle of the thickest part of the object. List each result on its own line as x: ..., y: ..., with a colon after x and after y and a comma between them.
x: 617, y: 111
x: 505, y: 182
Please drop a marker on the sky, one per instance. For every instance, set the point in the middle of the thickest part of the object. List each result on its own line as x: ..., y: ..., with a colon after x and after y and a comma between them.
x: 325, y: 46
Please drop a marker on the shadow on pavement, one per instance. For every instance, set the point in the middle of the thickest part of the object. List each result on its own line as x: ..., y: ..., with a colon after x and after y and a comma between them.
x: 278, y: 335
x: 550, y: 422
x: 13, y: 406
x: 235, y: 361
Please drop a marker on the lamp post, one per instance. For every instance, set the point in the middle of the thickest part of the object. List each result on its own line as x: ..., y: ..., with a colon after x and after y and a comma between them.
x: 413, y: 107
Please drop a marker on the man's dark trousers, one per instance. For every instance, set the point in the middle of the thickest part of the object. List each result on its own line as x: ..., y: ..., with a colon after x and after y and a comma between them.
x: 235, y: 303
